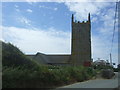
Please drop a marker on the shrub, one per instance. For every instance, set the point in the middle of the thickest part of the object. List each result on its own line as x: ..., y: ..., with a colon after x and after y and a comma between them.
x: 19, y: 77
x: 13, y: 57
x: 21, y: 72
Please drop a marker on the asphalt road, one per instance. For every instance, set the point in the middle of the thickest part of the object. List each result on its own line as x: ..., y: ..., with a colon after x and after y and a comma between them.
x: 96, y: 83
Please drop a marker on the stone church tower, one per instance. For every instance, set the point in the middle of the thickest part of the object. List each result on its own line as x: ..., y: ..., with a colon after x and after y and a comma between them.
x: 81, y: 42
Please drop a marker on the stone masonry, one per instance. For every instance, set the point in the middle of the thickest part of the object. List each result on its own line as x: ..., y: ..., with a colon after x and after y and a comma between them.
x: 81, y: 42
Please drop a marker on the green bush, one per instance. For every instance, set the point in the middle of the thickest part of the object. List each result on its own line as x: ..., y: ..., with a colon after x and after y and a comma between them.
x: 21, y: 72
x: 116, y: 69
x: 20, y: 77
x: 12, y: 57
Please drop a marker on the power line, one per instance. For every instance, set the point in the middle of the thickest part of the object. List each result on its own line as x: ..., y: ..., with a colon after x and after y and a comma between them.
x: 114, y: 28
x: 113, y: 34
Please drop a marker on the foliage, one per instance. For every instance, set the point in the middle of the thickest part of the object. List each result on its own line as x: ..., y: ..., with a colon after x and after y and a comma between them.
x: 12, y: 57
x: 100, y: 67
x: 21, y: 72
x: 42, y: 77
x: 116, y: 69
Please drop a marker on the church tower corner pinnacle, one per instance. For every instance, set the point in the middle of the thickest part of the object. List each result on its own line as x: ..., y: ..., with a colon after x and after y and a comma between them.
x: 89, y: 18
x: 72, y: 17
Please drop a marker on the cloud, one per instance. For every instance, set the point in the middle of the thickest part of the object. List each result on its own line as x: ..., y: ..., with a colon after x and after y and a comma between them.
x: 38, y: 40
x: 50, y: 8
x: 94, y: 19
x: 31, y: 2
x: 34, y: 1
x: 71, y: 0
x: 55, y: 9
x: 42, y: 6
x: 101, y: 12
x: 1, y: 34
x: 81, y: 9
x: 29, y: 10
x: 18, y: 10
x: 23, y: 20
x: 101, y: 47
x: 16, y: 6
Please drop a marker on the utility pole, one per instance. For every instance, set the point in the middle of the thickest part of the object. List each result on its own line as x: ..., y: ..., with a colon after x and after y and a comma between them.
x: 110, y: 59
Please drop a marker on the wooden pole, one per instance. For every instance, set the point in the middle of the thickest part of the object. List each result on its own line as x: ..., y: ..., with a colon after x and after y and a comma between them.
x: 110, y: 59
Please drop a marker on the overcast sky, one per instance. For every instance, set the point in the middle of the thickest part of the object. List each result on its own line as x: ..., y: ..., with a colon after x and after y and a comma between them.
x: 46, y: 26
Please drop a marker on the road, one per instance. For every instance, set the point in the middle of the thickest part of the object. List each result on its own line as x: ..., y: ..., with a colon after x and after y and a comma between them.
x: 96, y: 83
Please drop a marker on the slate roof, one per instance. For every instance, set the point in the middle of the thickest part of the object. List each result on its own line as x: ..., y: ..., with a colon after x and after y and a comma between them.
x: 50, y: 59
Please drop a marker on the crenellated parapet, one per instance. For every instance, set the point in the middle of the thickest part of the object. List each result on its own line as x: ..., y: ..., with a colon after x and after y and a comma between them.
x: 81, y: 22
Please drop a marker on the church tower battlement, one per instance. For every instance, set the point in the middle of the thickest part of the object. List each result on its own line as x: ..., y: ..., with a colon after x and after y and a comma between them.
x: 81, y: 42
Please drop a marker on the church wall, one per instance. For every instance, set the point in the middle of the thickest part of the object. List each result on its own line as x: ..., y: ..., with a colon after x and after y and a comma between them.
x: 59, y: 58
x: 81, y: 42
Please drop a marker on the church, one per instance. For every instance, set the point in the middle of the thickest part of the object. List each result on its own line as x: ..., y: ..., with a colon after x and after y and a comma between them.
x: 80, y: 47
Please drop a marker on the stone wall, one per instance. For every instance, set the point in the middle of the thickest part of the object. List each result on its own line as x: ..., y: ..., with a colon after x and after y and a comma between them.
x: 81, y: 42
x: 58, y: 58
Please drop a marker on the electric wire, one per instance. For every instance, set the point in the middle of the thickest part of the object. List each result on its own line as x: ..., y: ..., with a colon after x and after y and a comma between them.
x: 113, y: 33
x: 114, y: 29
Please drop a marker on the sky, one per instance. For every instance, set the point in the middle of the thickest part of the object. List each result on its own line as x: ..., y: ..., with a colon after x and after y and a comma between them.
x: 46, y: 26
